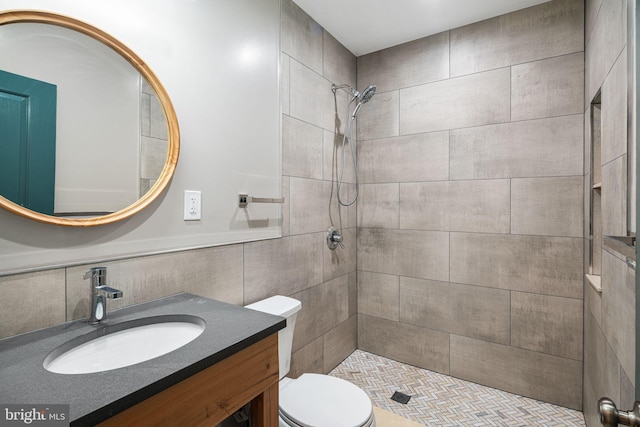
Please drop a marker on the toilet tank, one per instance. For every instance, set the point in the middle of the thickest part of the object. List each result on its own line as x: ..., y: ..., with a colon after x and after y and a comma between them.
x: 288, y: 308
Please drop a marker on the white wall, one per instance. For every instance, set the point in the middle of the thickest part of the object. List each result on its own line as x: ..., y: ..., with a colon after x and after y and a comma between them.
x: 219, y: 62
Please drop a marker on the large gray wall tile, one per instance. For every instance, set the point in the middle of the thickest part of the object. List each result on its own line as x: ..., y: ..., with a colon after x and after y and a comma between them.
x: 547, y: 324
x: 449, y: 307
x: 550, y: 29
x: 420, y: 157
x: 479, y: 205
x: 540, y: 376
x: 301, y: 36
x: 547, y: 206
x: 548, y: 88
x: 309, y: 202
x: 323, y: 307
x: 601, y: 365
x: 545, y: 147
x: 545, y: 265
x: 410, y: 344
x: 614, y: 111
x: 614, y: 197
x: 308, y: 359
x: 339, y: 343
x: 380, y: 117
x: 592, y: 7
x: 618, y: 309
x: 32, y: 301
x: 285, y: 82
x: 339, y: 63
x: 423, y: 254
x: 333, y: 157
x: 475, y: 100
x: 607, y: 39
x: 378, y: 205
x: 283, y: 266
x: 311, y: 99
x: 378, y: 295
x: 409, y: 64
x: 342, y: 260
x: 211, y: 272
x: 302, y: 148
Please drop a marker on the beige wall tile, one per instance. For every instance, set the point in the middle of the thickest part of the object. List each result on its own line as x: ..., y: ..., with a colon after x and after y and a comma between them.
x: 520, y: 149
x: 606, y: 41
x: 475, y: 100
x: 481, y: 205
x: 420, y: 157
x: 378, y: 295
x: 614, y: 111
x: 592, y: 7
x: 323, y: 308
x: 32, y: 301
x: 546, y: 324
x: 423, y: 254
x: 471, y: 311
x: 547, y: 206
x: 302, y: 149
x: 339, y: 64
x: 378, y: 205
x: 540, y: 376
x: 618, y: 310
x: 282, y: 266
x: 550, y: 29
x: 341, y: 261
x: 339, y: 343
x: 353, y: 293
x: 409, y: 64
x: 286, y: 208
x: 301, y: 36
x: 545, y: 265
x: 548, y: 88
x: 410, y: 344
x: 211, y: 273
x: 614, y: 197
x: 380, y: 117
x: 309, y: 201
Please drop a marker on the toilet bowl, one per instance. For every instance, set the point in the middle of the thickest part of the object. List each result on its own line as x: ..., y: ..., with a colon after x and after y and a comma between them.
x: 312, y: 400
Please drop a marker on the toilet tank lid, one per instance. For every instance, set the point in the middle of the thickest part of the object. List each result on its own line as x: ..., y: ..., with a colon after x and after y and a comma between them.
x: 278, y: 305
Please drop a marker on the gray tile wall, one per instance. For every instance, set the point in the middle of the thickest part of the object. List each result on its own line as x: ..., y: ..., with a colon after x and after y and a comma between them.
x: 609, y: 316
x: 470, y: 220
x: 299, y: 264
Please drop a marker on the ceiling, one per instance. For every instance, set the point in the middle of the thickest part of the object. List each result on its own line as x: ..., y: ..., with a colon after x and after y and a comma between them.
x: 365, y: 26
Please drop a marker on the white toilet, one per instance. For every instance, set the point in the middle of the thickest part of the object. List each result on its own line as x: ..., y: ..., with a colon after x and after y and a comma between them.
x: 313, y: 400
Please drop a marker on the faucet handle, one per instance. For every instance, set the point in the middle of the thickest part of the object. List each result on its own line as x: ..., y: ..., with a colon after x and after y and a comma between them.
x: 98, y: 275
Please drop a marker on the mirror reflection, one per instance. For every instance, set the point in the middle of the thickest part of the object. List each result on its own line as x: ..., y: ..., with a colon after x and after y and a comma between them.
x: 92, y: 141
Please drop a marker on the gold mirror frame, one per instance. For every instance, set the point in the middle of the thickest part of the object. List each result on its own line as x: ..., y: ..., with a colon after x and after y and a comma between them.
x: 22, y: 16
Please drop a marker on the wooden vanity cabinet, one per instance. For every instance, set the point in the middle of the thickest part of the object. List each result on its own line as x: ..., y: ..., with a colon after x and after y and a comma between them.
x: 215, y: 393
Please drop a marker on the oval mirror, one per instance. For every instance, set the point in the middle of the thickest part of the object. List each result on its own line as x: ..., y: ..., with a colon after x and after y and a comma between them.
x: 89, y: 134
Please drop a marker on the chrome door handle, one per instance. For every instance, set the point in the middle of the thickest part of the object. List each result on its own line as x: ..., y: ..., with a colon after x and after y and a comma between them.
x: 610, y: 416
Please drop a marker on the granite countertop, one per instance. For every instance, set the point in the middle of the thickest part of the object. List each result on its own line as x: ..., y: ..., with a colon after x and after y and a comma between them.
x: 95, y: 397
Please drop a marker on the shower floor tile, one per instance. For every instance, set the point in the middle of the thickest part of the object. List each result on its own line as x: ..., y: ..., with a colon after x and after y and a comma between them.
x: 441, y: 400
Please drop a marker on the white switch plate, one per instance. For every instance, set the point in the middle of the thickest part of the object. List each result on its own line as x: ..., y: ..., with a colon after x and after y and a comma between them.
x: 192, y: 205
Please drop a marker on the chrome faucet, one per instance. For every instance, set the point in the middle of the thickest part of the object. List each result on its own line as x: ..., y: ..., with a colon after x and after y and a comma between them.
x: 99, y: 292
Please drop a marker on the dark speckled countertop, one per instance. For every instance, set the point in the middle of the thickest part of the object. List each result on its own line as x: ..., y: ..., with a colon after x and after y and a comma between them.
x: 95, y: 397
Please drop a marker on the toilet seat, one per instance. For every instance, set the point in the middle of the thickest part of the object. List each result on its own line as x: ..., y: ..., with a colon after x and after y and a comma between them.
x: 315, y: 400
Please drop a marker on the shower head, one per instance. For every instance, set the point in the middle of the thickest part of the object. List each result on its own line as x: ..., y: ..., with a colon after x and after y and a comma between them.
x: 364, y: 97
x: 368, y: 93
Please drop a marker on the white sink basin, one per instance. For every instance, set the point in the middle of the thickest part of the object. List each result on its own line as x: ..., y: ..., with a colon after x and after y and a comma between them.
x: 124, y: 344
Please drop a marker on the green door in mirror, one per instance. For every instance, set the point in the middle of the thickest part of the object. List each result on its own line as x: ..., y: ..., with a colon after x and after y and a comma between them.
x: 27, y: 142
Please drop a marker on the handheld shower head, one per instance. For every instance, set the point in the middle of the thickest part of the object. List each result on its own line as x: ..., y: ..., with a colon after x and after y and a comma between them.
x: 364, y: 97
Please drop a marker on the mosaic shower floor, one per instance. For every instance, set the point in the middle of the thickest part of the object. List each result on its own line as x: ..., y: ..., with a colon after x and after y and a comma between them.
x: 443, y: 401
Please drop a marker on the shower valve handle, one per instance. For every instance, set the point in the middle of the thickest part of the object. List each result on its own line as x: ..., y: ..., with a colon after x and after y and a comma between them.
x: 610, y: 416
